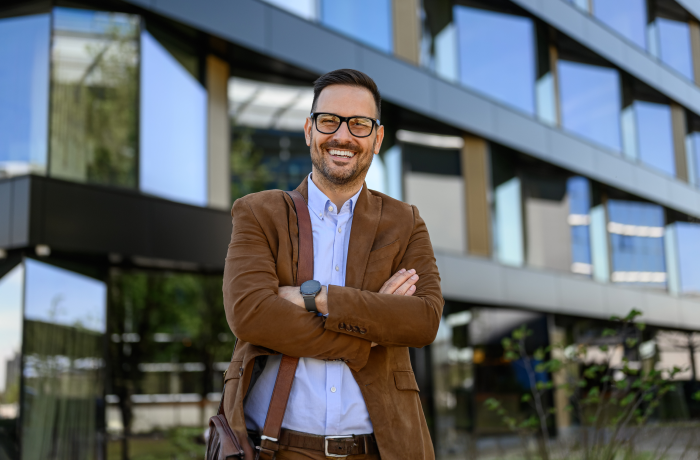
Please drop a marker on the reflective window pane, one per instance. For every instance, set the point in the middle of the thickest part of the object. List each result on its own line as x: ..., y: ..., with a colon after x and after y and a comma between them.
x: 688, y: 247
x: 692, y: 152
x: 94, y: 97
x: 497, y: 55
x: 636, y: 231
x: 626, y: 17
x: 579, y: 194
x: 303, y: 8
x: 368, y: 21
x: 674, y: 45
x: 508, y: 223
x: 655, y: 135
x: 173, y: 127
x: 63, y: 361
x: 590, y: 102
x: 11, y: 292
x: 24, y: 94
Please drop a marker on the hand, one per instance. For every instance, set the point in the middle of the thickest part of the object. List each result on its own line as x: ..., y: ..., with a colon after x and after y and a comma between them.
x: 292, y: 294
x: 403, y: 282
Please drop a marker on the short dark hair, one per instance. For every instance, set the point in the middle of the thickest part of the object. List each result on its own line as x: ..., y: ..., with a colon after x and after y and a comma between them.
x: 348, y: 77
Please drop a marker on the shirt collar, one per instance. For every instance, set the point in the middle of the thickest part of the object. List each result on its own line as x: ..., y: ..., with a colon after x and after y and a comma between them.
x: 319, y: 202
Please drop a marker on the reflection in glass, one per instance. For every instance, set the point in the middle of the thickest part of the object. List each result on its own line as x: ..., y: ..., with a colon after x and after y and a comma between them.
x: 63, y: 362
x: 655, y: 135
x: 93, y: 97
x: 11, y: 290
x: 24, y: 94
x: 368, y: 21
x: 600, y: 253
x: 674, y: 45
x: 508, y: 223
x: 303, y: 8
x: 590, y: 102
x: 692, y: 151
x: 636, y: 231
x: 626, y: 17
x: 688, y: 257
x: 446, y: 55
x: 173, y: 127
x: 497, y: 55
x: 579, y: 193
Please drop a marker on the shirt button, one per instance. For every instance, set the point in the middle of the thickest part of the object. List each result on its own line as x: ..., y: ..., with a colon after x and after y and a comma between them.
x: 320, y: 214
x: 333, y: 390
x: 341, y: 326
x: 337, y: 268
x: 340, y: 229
x: 330, y: 208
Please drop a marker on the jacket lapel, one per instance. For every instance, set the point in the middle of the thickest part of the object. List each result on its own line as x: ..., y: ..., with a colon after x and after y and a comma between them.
x: 365, y: 221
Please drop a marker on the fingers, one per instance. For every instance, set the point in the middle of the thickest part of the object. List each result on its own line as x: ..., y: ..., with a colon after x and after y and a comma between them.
x: 400, y: 283
x: 408, y: 285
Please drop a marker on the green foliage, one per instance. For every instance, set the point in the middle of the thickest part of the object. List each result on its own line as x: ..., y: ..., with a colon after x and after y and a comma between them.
x: 248, y: 173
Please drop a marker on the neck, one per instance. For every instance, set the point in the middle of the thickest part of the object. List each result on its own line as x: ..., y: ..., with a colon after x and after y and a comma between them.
x: 338, y: 194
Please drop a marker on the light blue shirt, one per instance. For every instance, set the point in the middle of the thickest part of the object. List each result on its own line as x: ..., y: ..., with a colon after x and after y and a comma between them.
x: 325, y: 397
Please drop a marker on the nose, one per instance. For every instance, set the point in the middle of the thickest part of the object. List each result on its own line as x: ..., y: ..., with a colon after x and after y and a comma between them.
x: 343, y: 134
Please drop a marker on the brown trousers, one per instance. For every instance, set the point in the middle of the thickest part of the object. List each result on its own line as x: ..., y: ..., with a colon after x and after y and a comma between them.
x: 295, y: 453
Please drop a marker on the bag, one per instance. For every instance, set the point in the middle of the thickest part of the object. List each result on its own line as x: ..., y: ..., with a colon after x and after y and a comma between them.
x: 223, y: 443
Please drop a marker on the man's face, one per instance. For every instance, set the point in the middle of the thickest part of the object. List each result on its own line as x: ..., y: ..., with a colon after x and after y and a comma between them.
x: 342, y: 158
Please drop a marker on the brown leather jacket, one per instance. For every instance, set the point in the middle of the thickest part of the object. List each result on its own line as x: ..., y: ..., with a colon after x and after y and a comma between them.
x: 386, y: 235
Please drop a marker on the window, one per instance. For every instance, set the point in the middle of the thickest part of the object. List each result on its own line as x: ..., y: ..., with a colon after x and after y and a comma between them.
x: 65, y: 322
x: 626, y: 17
x: 173, y: 131
x: 497, y: 55
x: 303, y: 8
x: 11, y: 293
x: 24, y: 94
x: 590, y: 102
x: 636, y: 232
x: 673, y: 42
x: 655, y: 136
x: 368, y: 21
x: 687, y: 252
x: 94, y: 97
x: 579, y: 194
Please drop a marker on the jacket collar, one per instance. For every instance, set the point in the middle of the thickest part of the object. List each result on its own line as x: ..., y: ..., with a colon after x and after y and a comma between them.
x: 365, y: 222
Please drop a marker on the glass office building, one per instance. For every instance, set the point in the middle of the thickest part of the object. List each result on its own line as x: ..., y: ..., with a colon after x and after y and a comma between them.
x: 558, y: 173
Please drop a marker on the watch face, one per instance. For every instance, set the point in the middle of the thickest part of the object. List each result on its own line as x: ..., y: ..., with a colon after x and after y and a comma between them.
x: 311, y: 287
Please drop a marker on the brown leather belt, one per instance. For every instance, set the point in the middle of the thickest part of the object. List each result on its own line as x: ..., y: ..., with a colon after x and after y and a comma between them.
x: 331, y: 446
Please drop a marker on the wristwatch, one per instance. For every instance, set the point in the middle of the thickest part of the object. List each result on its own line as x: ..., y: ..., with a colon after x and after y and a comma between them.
x: 308, y: 291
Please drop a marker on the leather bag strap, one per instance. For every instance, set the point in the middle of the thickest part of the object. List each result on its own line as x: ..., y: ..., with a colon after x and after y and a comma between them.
x: 285, y: 376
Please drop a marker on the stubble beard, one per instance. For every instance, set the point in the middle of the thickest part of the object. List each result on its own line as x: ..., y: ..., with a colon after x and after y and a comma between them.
x: 344, y: 178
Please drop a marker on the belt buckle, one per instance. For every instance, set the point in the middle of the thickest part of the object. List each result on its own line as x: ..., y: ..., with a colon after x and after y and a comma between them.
x: 325, y: 444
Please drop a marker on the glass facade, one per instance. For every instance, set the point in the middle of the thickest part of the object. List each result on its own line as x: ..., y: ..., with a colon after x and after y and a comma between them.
x: 24, y: 94
x: 173, y: 130
x: 590, y: 102
x: 673, y: 46
x: 687, y: 248
x: 579, y: 193
x: 11, y: 302
x: 626, y: 17
x: 65, y: 322
x: 648, y: 135
x: 367, y: 21
x: 636, y: 232
x: 94, y: 84
x: 497, y: 55
x: 303, y: 8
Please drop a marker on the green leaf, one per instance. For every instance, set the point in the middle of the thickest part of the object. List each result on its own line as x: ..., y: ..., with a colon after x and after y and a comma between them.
x: 604, y: 348
x: 696, y: 396
x: 641, y: 326
x: 627, y: 399
x: 526, y: 397
x: 632, y: 315
x: 609, y: 332
x: 631, y: 342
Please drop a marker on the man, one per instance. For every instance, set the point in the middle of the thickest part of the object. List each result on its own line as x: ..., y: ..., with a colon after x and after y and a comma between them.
x: 380, y: 294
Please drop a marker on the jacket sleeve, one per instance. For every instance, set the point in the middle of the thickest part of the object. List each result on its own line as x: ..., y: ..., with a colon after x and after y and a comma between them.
x: 256, y: 313
x: 393, y: 320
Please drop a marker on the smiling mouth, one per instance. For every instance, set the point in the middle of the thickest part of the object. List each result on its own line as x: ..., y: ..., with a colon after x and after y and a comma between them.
x: 341, y: 153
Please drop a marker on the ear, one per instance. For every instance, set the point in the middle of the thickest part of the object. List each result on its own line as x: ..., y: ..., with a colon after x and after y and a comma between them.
x: 380, y: 138
x: 308, y: 126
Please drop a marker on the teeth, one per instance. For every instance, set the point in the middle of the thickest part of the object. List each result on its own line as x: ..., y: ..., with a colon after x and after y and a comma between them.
x: 342, y: 153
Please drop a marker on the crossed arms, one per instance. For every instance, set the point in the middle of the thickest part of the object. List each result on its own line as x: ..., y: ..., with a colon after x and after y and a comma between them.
x: 405, y: 311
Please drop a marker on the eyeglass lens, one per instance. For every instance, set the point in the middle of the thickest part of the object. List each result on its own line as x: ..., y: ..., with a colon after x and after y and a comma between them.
x: 359, y: 126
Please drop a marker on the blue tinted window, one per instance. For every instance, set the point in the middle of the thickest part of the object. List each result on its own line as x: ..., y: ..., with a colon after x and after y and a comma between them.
x: 636, y: 236
x: 368, y: 21
x: 674, y: 46
x: 508, y: 223
x: 496, y: 55
x: 626, y: 17
x: 579, y: 194
x: 173, y: 127
x: 693, y: 155
x: 688, y: 241
x: 24, y: 94
x: 590, y: 102
x: 655, y: 135
x: 304, y: 8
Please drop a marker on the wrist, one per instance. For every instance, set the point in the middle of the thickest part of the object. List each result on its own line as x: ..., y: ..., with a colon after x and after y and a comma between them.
x: 322, y: 300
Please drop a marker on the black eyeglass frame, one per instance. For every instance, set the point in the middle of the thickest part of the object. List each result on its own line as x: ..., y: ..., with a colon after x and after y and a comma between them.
x: 346, y: 120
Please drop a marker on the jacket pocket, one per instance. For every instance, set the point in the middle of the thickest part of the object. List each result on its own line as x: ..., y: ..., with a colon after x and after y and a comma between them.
x: 390, y: 250
x: 405, y: 380
x: 234, y: 371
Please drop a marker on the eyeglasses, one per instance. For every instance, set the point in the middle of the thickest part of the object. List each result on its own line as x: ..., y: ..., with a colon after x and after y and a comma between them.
x: 328, y: 123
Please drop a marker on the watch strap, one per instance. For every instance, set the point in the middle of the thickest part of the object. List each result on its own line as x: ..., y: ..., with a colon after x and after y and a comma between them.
x: 310, y: 302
